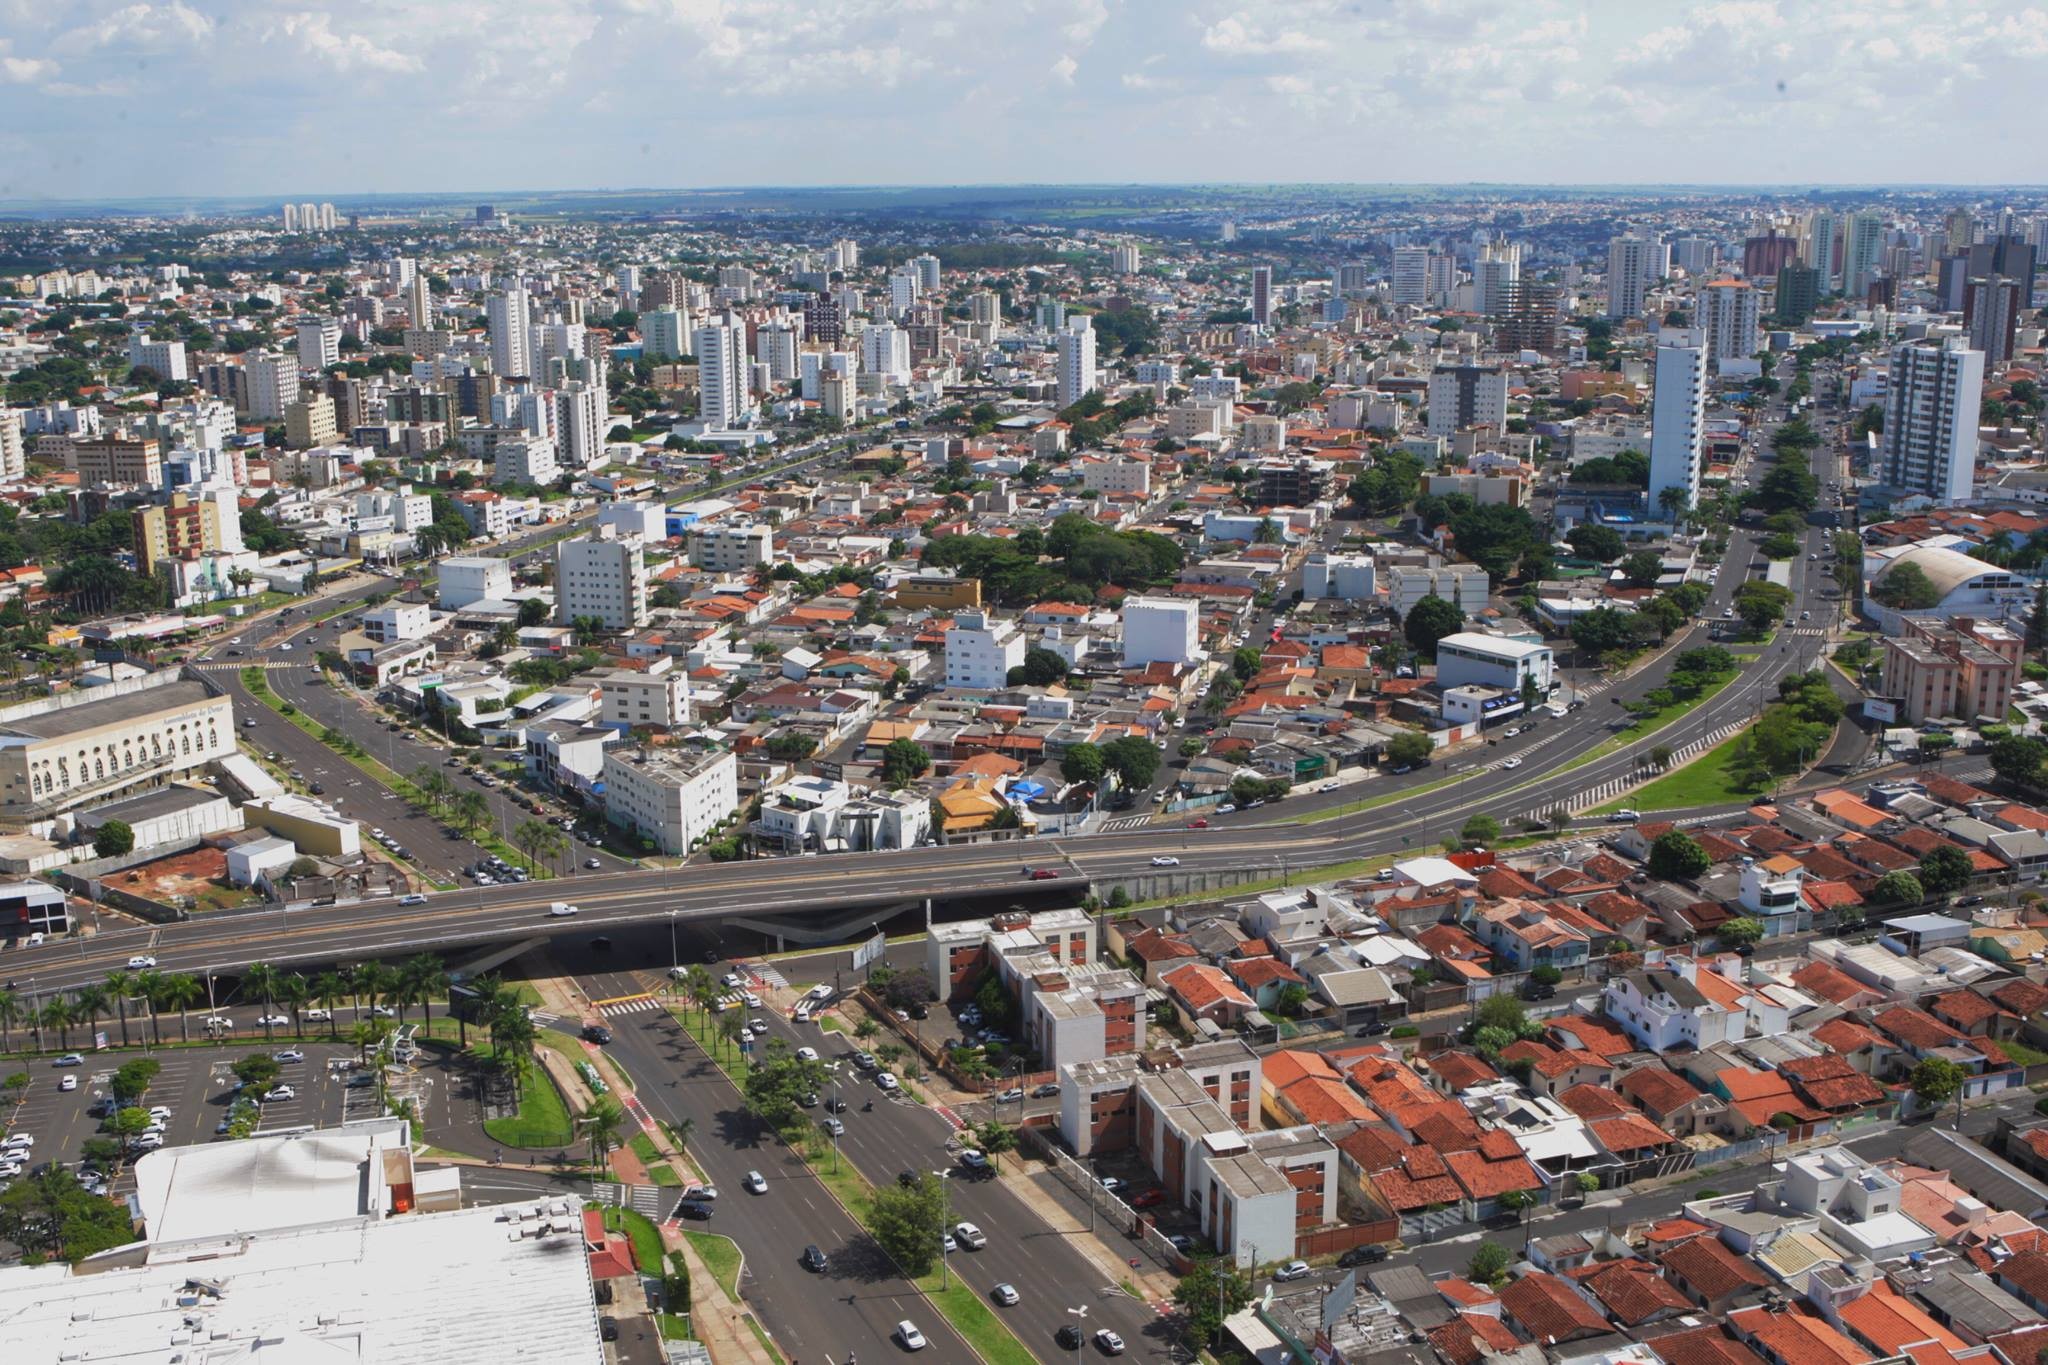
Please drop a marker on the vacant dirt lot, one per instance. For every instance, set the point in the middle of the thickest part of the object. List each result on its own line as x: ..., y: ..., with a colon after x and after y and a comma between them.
x: 198, y: 879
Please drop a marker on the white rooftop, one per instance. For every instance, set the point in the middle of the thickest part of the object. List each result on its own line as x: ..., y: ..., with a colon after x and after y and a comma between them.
x: 225, y: 1190
x: 452, y: 1288
x: 1433, y: 872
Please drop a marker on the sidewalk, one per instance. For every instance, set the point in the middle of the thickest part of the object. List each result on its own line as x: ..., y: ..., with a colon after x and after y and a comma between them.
x: 1154, y: 1284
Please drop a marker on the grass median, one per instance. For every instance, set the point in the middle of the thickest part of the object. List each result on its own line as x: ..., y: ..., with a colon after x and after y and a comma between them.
x: 1708, y: 780
x: 721, y: 1256
x: 1649, y: 722
x: 543, y: 1118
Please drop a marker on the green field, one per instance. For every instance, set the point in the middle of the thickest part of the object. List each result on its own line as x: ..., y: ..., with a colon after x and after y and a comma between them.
x: 1706, y: 781
x: 721, y: 1256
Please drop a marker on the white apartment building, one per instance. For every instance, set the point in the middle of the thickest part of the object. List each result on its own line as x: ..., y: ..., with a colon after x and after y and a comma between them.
x: 724, y: 403
x: 1633, y: 265
x: 1729, y: 313
x: 580, y: 425
x: 1226, y: 387
x: 1161, y: 630
x: 836, y: 393
x: 468, y: 579
x: 1117, y: 474
x: 1350, y: 578
x: 270, y: 384
x: 811, y: 366
x: 1678, y: 419
x: 319, y: 342
x: 13, y: 452
x: 1411, y: 275
x: 1462, y: 396
x: 664, y: 334
x: 1076, y: 364
x: 1863, y: 238
x: 525, y: 460
x: 1494, y: 276
x: 166, y: 359
x: 511, y: 331
x: 1823, y: 249
x: 1463, y: 585
x: 602, y: 578
x: 885, y: 351
x: 674, y: 797
x: 775, y: 346
x: 734, y: 548
x: 397, y: 621
x: 981, y: 651
x: 657, y: 697
x: 1930, y: 419
x: 1469, y: 659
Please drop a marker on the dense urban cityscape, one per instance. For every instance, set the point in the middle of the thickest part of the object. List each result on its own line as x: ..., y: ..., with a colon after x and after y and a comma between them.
x: 1282, y: 773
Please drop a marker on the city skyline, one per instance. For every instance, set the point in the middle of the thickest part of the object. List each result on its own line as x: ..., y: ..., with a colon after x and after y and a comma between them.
x: 93, y: 94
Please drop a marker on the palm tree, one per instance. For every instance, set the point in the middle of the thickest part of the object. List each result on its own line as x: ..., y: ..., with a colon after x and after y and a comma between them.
x: 295, y: 991
x: 729, y: 1026
x: 11, y: 1012
x: 535, y: 838
x: 262, y: 979
x: 377, y: 982
x: 181, y: 991
x: 429, y: 979
x: 682, y: 1130
x: 601, y: 1122
x: 119, y: 987
x: 90, y: 1002
x: 472, y: 812
x: 330, y: 989
x: 148, y: 987
x: 701, y: 987
x: 363, y: 1033
x: 57, y: 1015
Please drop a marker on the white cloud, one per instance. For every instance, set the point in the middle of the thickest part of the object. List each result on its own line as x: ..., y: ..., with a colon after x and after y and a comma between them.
x: 21, y: 70
x: 1063, y: 70
x: 1240, y: 35
x: 142, y: 26
x: 314, y: 34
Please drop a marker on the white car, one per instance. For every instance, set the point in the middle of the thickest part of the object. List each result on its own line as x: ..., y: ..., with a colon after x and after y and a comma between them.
x: 290, y: 1054
x: 279, y: 1092
x: 907, y: 1336
x: 148, y: 1142
x: 1293, y: 1270
x: 755, y: 1183
x: 160, y: 1112
x: 807, y: 1054
x: 1165, y: 861
x: 384, y: 1012
x: 318, y: 1015
x: 885, y: 1080
x: 753, y: 1000
x: 220, y: 1023
x: 1108, y: 1342
x: 970, y: 1236
x: 731, y: 981
x: 1005, y: 1294
x: 273, y: 1020
x: 140, y: 961
x: 69, y: 1059
x: 67, y: 1083
x: 414, y: 899
x: 18, y: 1142
x: 1511, y: 763
x: 559, y: 910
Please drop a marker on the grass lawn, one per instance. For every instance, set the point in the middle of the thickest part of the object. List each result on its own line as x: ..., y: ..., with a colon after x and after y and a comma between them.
x: 761, y: 1335
x: 721, y: 1256
x: 829, y: 1024
x: 973, y: 1317
x: 643, y: 1147
x: 1706, y: 781
x: 646, y: 1238
x: 673, y: 1327
x: 1650, y: 721
x: 662, y: 1174
x: 2021, y: 1053
x: 543, y: 1117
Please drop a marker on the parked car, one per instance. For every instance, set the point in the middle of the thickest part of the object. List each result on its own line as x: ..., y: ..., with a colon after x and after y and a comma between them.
x: 67, y: 1082
x: 290, y: 1054
x: 1372, y: 1253
x: 1045, y: 1091
x: 1145, y: 1199
x: 1293, y: 1270
x: 279, y: 1092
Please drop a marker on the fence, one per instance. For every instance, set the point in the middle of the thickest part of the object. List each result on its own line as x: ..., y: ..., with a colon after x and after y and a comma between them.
x: 1102, y: 1204
x: 1331, y: 1241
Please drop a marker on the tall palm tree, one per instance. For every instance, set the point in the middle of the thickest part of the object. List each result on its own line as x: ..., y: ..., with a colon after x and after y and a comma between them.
x: 699, y: 984
x: 90, y: 1002
x: 262, y: 979
x: 330, y: 989
x: 601, y: 1123
x: 363, y: 1033
x: 295, y: 991
x: 57, y: 1015
x: 682, y: 1130
x: 11, y: 1011
x: 119, y: 987
x: 148, y: 986
x: 180, y: 992
x: 429, y: 979
x: 376, y: 981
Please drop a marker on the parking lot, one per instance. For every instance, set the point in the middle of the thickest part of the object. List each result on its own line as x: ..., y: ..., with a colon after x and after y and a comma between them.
x: 195, y: 1084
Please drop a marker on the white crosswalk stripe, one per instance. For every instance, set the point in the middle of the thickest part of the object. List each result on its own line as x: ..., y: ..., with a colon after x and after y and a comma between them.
x: 641, y: 1006
x: 766, y: 975
x: 237, y: 665
x: 1126, y: 822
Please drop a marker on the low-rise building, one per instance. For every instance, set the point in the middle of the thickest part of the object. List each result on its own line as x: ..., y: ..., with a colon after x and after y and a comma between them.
x: 675, y: 798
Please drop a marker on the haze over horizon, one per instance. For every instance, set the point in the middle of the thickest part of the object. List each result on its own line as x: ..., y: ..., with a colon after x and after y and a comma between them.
x: 102, y: 100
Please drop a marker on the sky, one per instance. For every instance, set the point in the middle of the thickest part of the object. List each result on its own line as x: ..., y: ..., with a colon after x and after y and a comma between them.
x: 101, y: 99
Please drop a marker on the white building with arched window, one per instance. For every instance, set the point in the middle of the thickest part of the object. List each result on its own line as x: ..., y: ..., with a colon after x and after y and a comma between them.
x: 90, y: 746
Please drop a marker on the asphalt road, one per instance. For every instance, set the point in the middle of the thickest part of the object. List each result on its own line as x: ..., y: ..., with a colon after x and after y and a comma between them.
x: 857, y: 1302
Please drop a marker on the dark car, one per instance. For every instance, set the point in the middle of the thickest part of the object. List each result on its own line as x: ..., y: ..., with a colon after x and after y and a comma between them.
x: 1049, y: 1088
x: 695, y: 1210
x: 1537, y: 990
x: 601, y: 943
x: 924, y: 1011
x: 1068, y: 1338
x: 906, y: 1178
x: 835, y: 1105
x: 1372, y: 1253
x: 608, y: 1329
x: 596, y: 1033
x: 813, y: 1260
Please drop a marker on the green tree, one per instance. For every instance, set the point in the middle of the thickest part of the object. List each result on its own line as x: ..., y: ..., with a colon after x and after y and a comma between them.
x: 1409, y: 748
x: 533, y: 611
x: 1944, y: 870
x: 1502, y: 1012
x: 1604, y: 630
x: 1677, y: 856
x: 1760, y: 604
x: 1898, y: 888
x: 537, y: 840
x: 1082, y: 763
x: 600, y: 1123
x: 1212, y: 1290
x: 2020, y: 759
x: 1495, y: 537
x: 776, y: 1085
x: 903, y: 761
x: 1936, y: 1080
x: 907, y: 1222
x: 113, y: 839
x: 1042, y: 668
x: 1429, y: 621
x: 48, y: 1216
x: 1245, y: 661
x: 1905, y: 586
x: 1642, y: 569
x: 1480, y: 830
x: 1134, y: 759
x: 1740, y: 932
x: 257, y: 1071
x: 1489, y: 1264
x: 131, y: 1081
x: 1591, y: 540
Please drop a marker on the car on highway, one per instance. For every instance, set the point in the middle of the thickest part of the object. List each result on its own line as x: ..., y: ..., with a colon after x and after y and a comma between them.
x: 835, y: 1127
x: 69, y: 1059
x: 1108, y: 1342
x: 1040, y: 874
x: 558, y: 910
x: 1198, y: 824
x: 1293, y: 1270
x: 1166, y: 860
x: 273, y: 1020
x: 755, y: 1183
x: 1624, y: 817
x: 1068, y: 1338
x: 1005, y: 1294
x: 140, y: 961
x: 907, y: 1336
x: 592, y: 864
x: 813, y: 1260
x: 415, y: 898
x: 1511, y: 763
x: 885, y: 1080
x: 970, y: 1236
x: 316, y: 1015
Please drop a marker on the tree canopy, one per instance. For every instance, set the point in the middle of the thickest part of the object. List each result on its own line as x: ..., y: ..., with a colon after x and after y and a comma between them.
x: 1429, y: 621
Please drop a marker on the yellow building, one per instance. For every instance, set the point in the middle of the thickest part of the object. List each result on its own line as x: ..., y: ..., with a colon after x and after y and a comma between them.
x: 310, y: 422
x: 938, y: 592
x: 185, y: 529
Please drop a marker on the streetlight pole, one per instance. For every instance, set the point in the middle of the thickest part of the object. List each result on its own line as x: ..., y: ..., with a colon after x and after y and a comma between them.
x: 1082, y: 1314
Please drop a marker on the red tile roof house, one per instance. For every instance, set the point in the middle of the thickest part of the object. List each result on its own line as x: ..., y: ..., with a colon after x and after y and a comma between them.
x: 1971, y: 1014
x: 1200, y: 991
x: 1469, y: 1338
x: 1629, y: 1290
x: 1550, y: 1311
x: 1553, y: 1070
x: 1486, y: 1174
x: 1830, y: 1083
x: 1672, y: 1102
x: 1714, y: 1277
